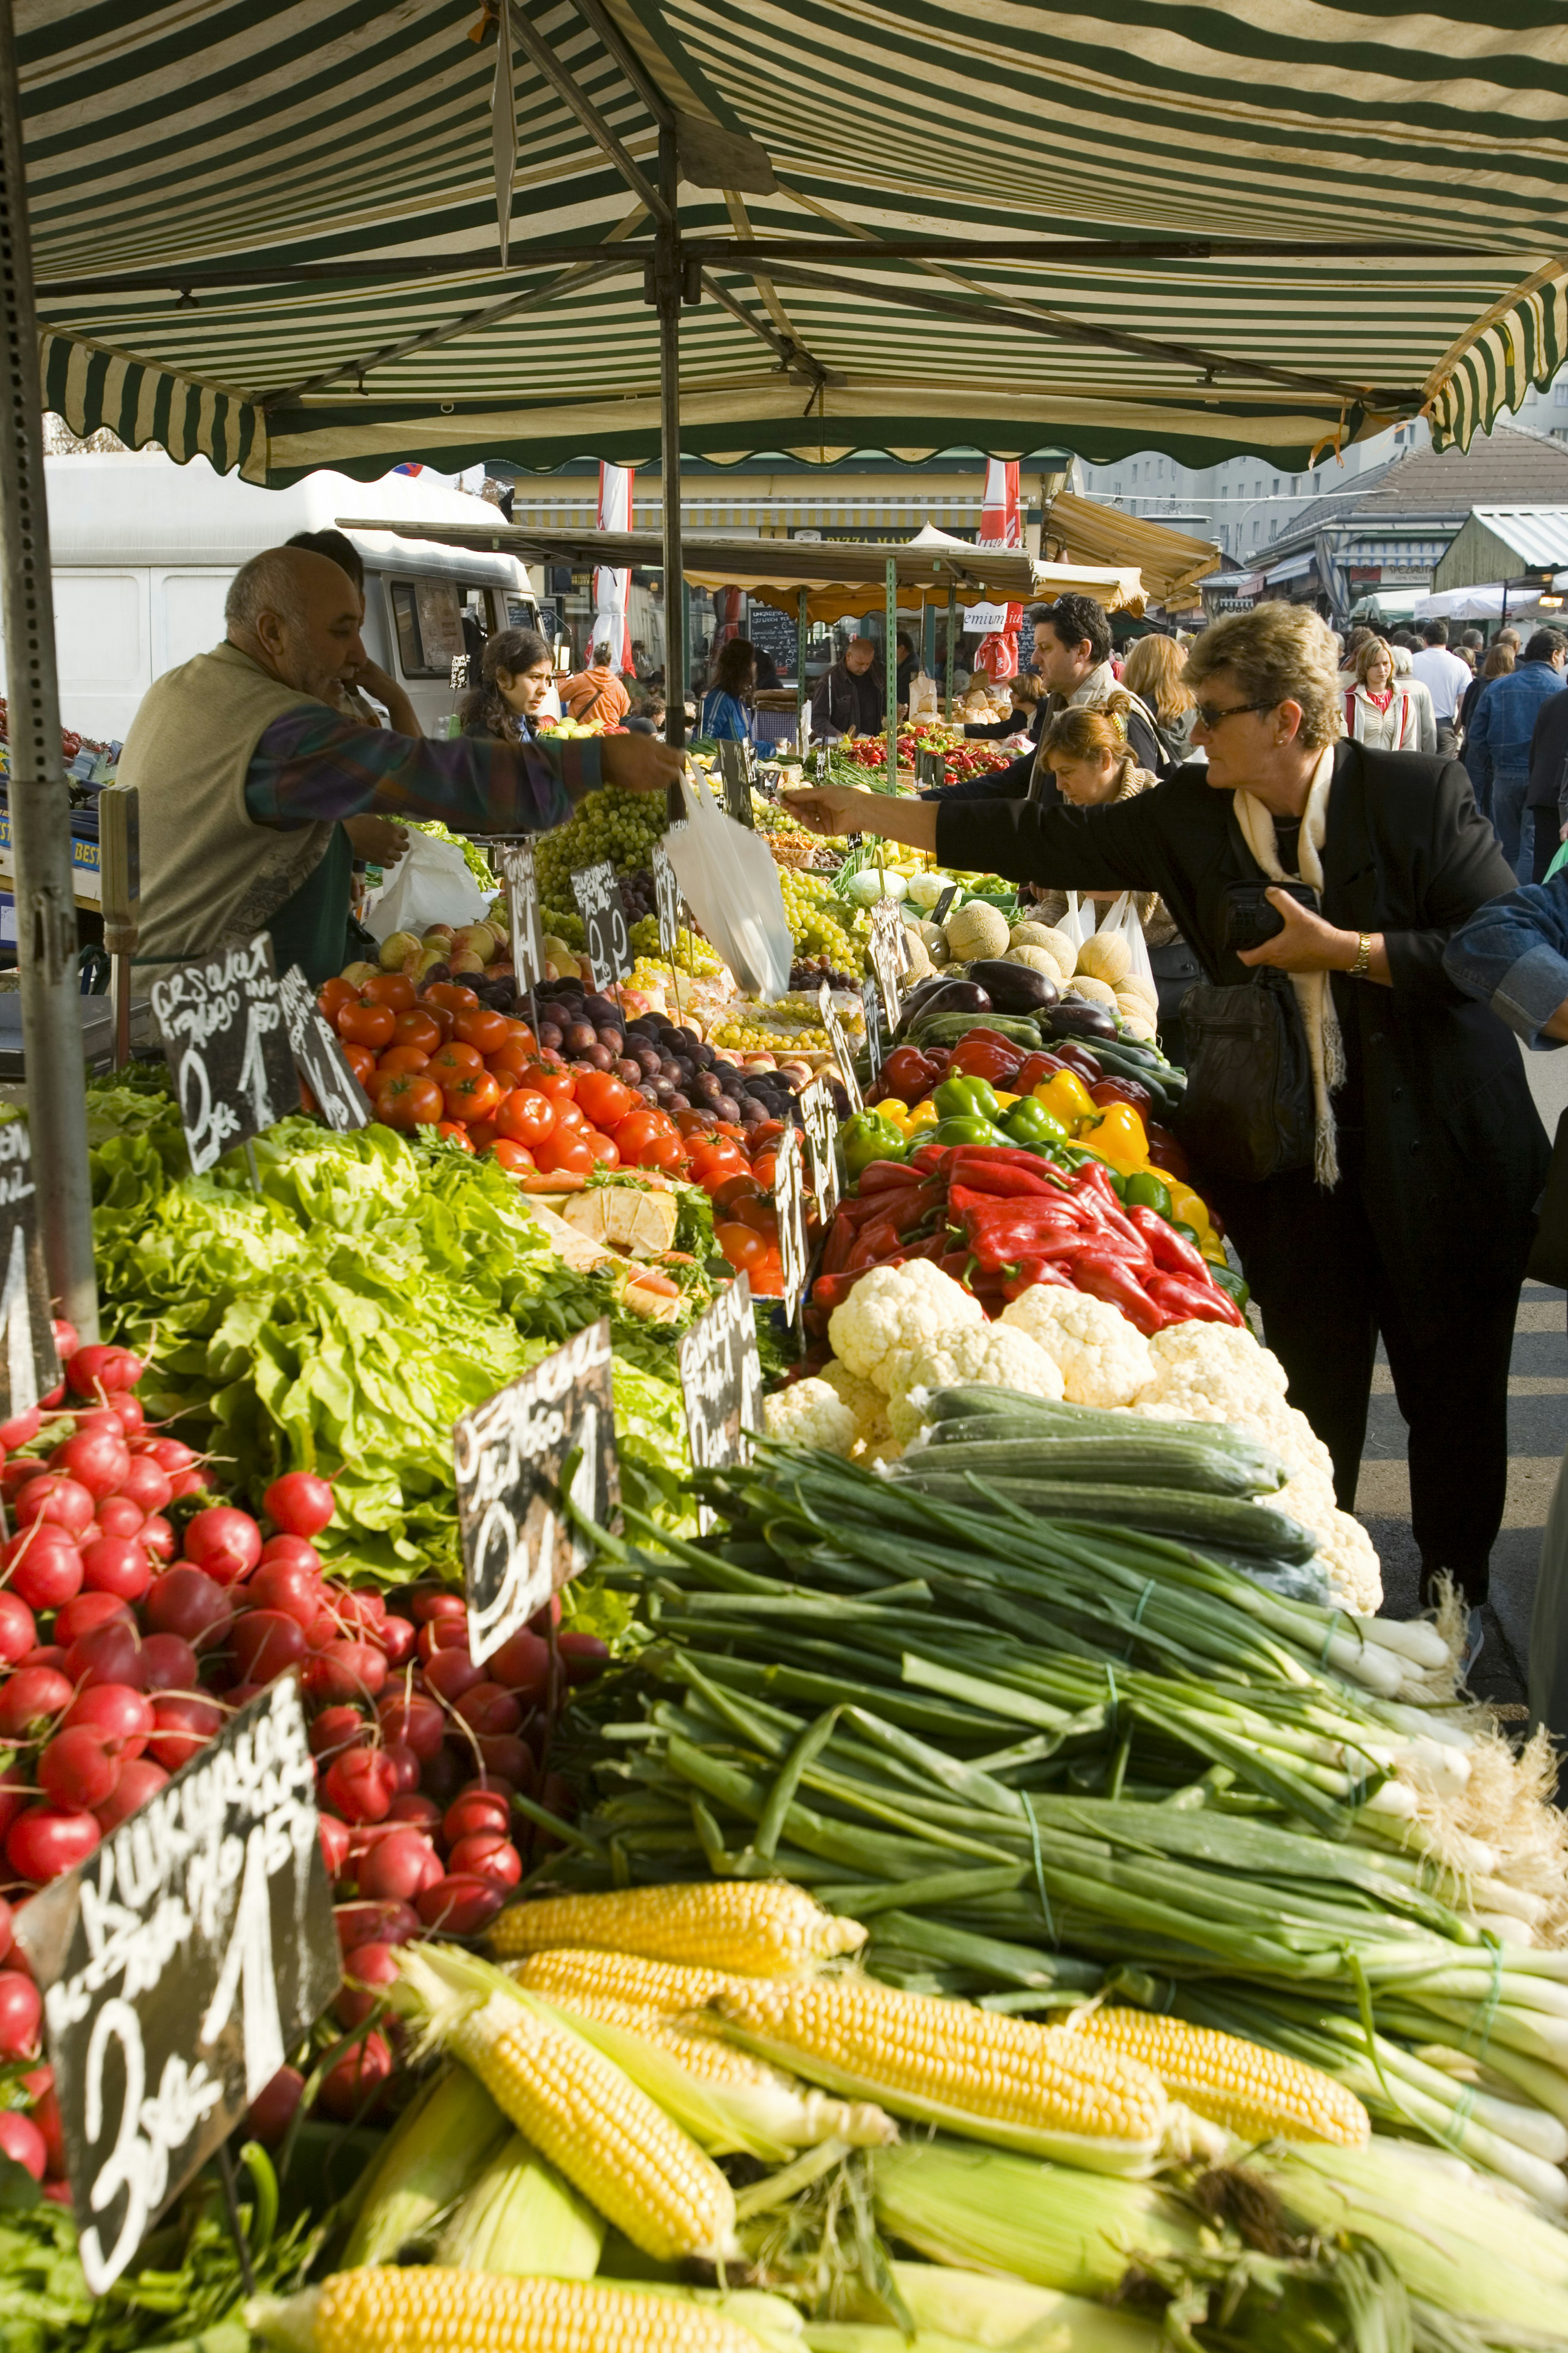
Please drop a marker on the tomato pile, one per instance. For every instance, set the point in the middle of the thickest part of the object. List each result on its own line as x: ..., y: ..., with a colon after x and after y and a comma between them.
x: 964, y: 756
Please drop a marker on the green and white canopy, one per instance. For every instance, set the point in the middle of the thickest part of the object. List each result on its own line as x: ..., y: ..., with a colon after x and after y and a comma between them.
x: 269, y: 234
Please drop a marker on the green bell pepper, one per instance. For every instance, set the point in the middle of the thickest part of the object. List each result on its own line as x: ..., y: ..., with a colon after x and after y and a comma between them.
x: 1145, y: 1190
x: 966, y: 1098
x: 1230, y: 1281
x: 968, y: 1128
x: 865, y: 1138
x: 1030, y: 1123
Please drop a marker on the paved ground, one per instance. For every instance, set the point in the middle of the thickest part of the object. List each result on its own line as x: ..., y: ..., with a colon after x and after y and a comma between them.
x: 1538, y: 1432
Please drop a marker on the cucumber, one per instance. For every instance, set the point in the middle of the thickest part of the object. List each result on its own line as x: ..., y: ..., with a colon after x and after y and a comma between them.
x: 1174, y: 1463
x: 969, y: 1402
x: 1253, y: 1530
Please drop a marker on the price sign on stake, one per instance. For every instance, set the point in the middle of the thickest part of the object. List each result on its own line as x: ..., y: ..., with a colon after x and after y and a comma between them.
x: 522, y: 911
x: 519, y: 1546
x: 604, y: 914
x: 666, y: 899
x: 721, y: 1381
x: 222, y: 1027
x: 181, y: 1963
x: 839, y: 1046
x: 871, y: 1006
x: 943, y: 907
x: 789, y: 1202
x: 821, y: 1127
x: 735, y: 767
x: 319, y: 1056
x: 889, y: 955
x: 29, y: 1368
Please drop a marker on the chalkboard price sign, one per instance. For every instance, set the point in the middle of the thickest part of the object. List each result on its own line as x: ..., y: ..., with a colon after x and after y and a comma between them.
x: 870, y: 1004
x: 319, y: 1056
x: 522, y: 911
x: 180, y: 1964
x: 666, y: 899
x: 518, y: 1545
x: 839, y: 1046
x: 222, y: 1027
x: 604, y: 914
x: 790, y: 1204
x: 820, y: 1127
x: 721, y: 1381
x: 29, y: 1368
x: 889, y: 957
x: 943, y: 907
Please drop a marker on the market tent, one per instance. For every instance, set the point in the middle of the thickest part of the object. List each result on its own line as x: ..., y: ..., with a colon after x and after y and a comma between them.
x: 1498, y: 544
x: 271, y: 237
x: 1170, y: 563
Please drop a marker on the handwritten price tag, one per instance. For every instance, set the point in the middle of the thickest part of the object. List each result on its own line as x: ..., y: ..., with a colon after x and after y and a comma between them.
x: 222, y: 1032
x: 839, y: 1046
x: 789, y: 1202
x: 522, y: 911
x: 319, y: 1056
x: 721, y: 1382
x: 604, y: 914
x: 820, y: 1129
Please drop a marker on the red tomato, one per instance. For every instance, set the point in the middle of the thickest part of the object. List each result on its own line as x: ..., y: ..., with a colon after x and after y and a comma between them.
x: 694, y: 1122
x: 394, y: 988
x: 361, y: 1062
x: 740, y: 1246
x: 763, y: 1171
x: 417, y: 1029
x: 733, y: 1191
x: 664, y: 1152
x: 520, y: 1034
x: 634, y: 1135
x: 455, y: 1132
x: 526, y: 1115
x: 455, y: 1061
x: 481, y: 1134
x: 559, y: 1085
x: 517, y: 1157
x: 483, y: 1028
x: 604, y: 1098
x: 363, y: 1024
x: 451, y: 993
x: 564, y: 1154
x: 333, y: 993
x: 472, y: 1095
x: 766, y: 1131
x: 443, y: 1016
x: 408, y: 1099
x: 514, y: 1055
x: 603, y: 1149
x: 505, y: 1079
x: 766, y: 1275
x: 761, y: 1216
x: 400, y: 1058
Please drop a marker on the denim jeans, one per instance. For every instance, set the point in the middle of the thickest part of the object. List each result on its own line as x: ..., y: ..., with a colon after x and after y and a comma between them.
x: 1509, y: 814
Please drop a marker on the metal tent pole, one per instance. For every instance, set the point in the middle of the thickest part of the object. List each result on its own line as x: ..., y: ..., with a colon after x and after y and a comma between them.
x: 952, y: 635
x: 802, y: 622
x: 890, y: 656
x: 39, y: 804
x: 668, y: 289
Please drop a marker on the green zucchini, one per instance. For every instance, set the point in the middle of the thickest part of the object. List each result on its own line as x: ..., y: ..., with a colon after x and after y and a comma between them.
x: 1252, y: 1529
x: 968, y: 1401
x: 1172, y: 1463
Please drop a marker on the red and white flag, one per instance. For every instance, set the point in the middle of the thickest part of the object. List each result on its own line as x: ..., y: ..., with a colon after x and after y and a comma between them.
x: 610, y: 583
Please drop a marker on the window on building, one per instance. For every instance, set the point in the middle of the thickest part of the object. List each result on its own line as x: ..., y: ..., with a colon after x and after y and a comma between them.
x: 1274, y: 529
x: 1560, y: 395
x: 1276, y: 486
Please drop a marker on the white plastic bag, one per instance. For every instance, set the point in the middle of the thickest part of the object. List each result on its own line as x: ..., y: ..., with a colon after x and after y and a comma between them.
x: 1123, y: 917
x: 923, y: 697
x: 1072, y: 922
x: 731, y: 885
x: 430, y: 884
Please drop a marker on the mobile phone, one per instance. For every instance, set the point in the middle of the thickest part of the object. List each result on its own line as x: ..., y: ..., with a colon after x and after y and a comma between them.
x: 1250, y: 920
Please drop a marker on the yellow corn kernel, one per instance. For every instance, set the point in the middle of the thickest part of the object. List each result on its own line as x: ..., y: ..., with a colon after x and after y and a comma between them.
x: 765, y: 1926
x: 1251, y: 2091
x: 906, y: 2049
x: 584, y: 1978
x: 432, y: 2310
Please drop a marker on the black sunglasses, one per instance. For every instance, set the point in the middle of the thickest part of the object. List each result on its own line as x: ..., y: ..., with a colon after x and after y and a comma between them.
x: 1210, y: 715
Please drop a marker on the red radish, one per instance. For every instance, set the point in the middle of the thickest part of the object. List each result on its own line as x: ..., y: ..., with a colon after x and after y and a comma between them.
x: 387, y: 1920
x: 49, y: 1840
x: 30, y: 1699
x: 64, y: 1503
x: 110, y: 1653
x: 119, y: 1516
x: 522, y: 1663
x: 406, y: 1766
x: 583, y: 1655
x: 95, y: 1461
x: 14, y: 1793
x: 18, y: 1629
x: 487, y: 1855
x: 416, y: 1722
x: 322, y: 1629
x: 168, y: 1665
x: 487, y: 1708
x: 336, y: 1729
x: 183, y: 1601
x: 298, y: 1504
x: 460, y: 1906
x: 126, y: 1411
x: 348, y: 2089
x: 443, y: 1633
x: 224, y: 1542
x: 21, y: 2014
x: 21, y: 1429
x: 172, y: 1455
x: 77, y: 1618
x: 139, y: 1780
x: 452, y: 1673
x: 4, y: 1928
x: 425, y: 1607
x: 122, y: 1713
x: 398, y: 1867
x: 98, y: 1367
x: 117, y: 1565
x: 293, y: 1549
x: 361, y: 1614
x: 182, y: 1726
x: 187, y: 1482
x: 263, y: 1643
x: 360, y: 1785
x: 345, y: 1671
x: 16, y: 1475
x: 45, y: 2114
x: 475, y: 1811
x: 507, y: 1758
x: 370, y: 1969
x: 145, y: 1485
x: 287, y: 1586
x: 271, y: 2112
x: 79, y: 1768
x: 334, y: 1837
x: 67, y: 1339
x: 443, y: 1775
x: 418, y: 1807
x: 159, y: 1537
x: 46, y: 1573
x: 20, y: 2138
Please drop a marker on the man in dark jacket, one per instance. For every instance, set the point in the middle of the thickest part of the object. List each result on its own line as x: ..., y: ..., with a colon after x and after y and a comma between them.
x: 853, y: 695
x: 1441, y: 1155
x: 1547, y: 793
x: 1501, y: 730
x: 1072, y: 658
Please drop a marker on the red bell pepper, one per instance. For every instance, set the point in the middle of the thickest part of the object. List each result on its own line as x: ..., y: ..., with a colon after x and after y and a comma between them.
x: 1092, y: 1185
x: 1079, y: 1058
x: 1104, y: 1277
x: 1034, y: 1070
x: 873, y: 1243
x: 983, y: 1054
x: 1122, y: 1091
x: 1165, y: 1153
x: 907, y: 1073
x: 1186, y: 1301
x: 930, y: 1158
x: 1171, y: 1251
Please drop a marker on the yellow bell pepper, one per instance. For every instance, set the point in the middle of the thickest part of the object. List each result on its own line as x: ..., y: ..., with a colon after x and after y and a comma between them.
x: 1005, y: 1102
x: 924, y: 1114
x: 1189, y: 1207
x: 1117, y: 1137
x: 892, y: 1112
x: 1067, y: 1098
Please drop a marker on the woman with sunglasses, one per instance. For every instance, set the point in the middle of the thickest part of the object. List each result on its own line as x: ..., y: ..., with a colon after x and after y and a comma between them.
x: 1410, y: 1218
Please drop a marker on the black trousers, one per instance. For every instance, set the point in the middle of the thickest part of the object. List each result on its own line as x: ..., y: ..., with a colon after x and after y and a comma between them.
x: 1548, y: 839
x: 1314, y: 1266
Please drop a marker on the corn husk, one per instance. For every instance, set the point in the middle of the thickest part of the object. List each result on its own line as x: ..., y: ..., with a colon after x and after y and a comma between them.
x: 521, y: 2217
x: 434, y: 2154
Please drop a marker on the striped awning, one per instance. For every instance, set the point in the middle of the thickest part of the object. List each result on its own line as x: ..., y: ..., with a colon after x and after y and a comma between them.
x: 270, y: 235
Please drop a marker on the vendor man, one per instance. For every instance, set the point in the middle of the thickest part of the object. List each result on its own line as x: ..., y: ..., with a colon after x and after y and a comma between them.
x: 245, y: 763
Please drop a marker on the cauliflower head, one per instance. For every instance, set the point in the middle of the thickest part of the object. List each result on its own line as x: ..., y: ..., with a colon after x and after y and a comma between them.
x: 892, y: 1311
x: 1104, y: 1360
x: 996, y: 1353
x: 810, y: 1413
x: 1215, y: 1365
x: 868, y: 1404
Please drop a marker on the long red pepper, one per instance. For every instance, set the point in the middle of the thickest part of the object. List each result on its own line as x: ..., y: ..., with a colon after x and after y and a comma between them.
x: 1184, y: 1301
x: 1171, y: 1251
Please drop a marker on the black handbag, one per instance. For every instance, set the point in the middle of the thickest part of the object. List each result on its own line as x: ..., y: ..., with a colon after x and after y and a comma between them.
x: 1248, y: 1110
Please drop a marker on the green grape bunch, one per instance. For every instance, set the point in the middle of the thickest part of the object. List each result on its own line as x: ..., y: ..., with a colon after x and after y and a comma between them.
x: 621, y: 827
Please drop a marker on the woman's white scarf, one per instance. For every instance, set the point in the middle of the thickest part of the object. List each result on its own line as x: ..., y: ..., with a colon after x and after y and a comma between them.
x: 1325, y: 1048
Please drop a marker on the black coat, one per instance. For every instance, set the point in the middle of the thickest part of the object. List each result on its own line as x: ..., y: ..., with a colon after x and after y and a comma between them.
x: 846, y: 699
x: 1455, y: 1154
x: 1549, y: 758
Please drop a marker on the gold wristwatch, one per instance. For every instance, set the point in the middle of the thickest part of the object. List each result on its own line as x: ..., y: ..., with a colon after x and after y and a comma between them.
x: 1363, y: 964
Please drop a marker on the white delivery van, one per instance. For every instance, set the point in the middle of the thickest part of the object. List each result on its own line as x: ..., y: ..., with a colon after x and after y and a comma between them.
x: 143, y: 553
